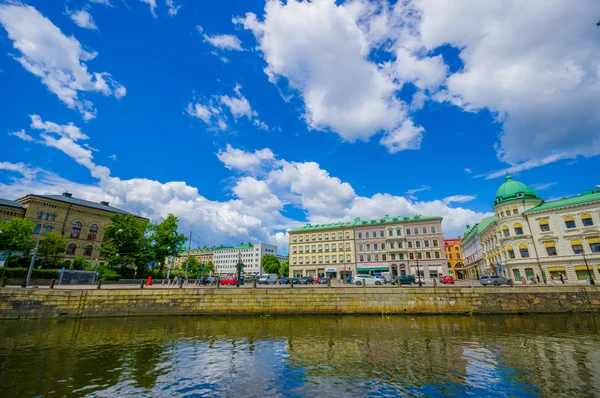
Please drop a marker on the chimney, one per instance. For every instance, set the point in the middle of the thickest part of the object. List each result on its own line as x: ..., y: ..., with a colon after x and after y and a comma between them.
x: 67, y: 194
x: 105, y: 203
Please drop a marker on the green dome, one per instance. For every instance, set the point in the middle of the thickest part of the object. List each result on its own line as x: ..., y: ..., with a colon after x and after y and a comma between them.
x: 511, y: 189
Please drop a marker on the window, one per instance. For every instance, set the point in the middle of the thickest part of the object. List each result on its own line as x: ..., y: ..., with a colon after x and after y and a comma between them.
x: 544, y: 226
x: 435, y: 243
x: 361, y: 258
x: 347, y: 258
x: 341, y: 258
x: 313, y: 237
x: 418, y: 243
x: 426, y: 243
x: 383, y: 246
x: 313, y: 248
x: 399, y: 245
x: 375, y: 246
x: 327, y: 247
x: 577, y: 246
x: 46, y: 216
x: 367, y: 234
x: 391, y: 245
x: 401, y: 256
x: 339, y: 235
x: 518, y: 229
x: 76, y: 230
x: 524, y: 251
x: 360, y: 235
x: 407, y: 231
x: 326, y: 236
x: 313, y: 259
x: 320, y: 259
x: 510, y: 251
x: 376, y: 257
x: 410, y: 244
x: 340, y: 247
x: 416, y: 231
x: 37, y: 229
x: 437, y: 254
x: 52, y: 217
x: 71, y: 248
x: 515, y: 210
x: 87, y: 251
x: 411, y: 256
x: 390, y: 232
x: 299, y: 239
x: 347, y: 235
x: 419, y: 256
x: 433, y: 230
x: 393, y: 257
x: 48, y: 228
x: 368, y: 246
x: 570, y: 222
x: 320, y: 247
x: 294, y: 239
x: 381, y: 234
x: 550, y: 248
x: 383, y: 257
x: 450, y: 256
x: 348, y: 246
x: 594, y: 245
x: 587, y: 221
x: 424, y: 230
x: 398, y: 232
x: 501, y: 214
x: 508, y: 212
x: 505, y: 231
x: 428, y: 254
x: 320, y: 236
x: 39, y: 215
x: 368, y: 257
x: 93, y: 231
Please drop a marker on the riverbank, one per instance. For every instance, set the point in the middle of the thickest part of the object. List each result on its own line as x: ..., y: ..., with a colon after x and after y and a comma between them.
x: 17, y: 303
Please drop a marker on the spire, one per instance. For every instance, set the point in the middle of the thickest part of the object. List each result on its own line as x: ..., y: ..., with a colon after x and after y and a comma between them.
x: 508, y: 176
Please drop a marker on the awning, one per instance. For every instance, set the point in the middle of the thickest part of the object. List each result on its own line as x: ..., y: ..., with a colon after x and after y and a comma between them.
x: 583, y: 268
x: 556, y: 269
x: 372, y: 269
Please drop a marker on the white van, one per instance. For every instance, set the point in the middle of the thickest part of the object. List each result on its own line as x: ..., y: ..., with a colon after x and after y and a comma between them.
x: 267, y: 279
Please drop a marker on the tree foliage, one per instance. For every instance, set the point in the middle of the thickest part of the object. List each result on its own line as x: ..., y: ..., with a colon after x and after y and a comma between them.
x: 80, y: 263
x: 209, y: 268
x: 270, y: 264
x: 284, y: 269
x: 165, y: 240
x: 52, y: 249
x: 127, y: 244
x: 16, y: 234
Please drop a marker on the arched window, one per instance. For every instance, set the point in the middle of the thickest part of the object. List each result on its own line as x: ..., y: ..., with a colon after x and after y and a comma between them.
x: 39, y: 215
x: 48, y: 228
x: 544, y: 226
x: 577, y: 246
x: 52, y: 217
x: 515, y: 210
x: 524, y: 251
x: 587, y: 220
x: 71, y: 248
x: 570, y: 222
x: 37, y: 229
x: 518, y: 229
x: 505, y: 231
x: 550, y: 248
x: 46, y: 216
x: 76, y: 230
x: 87, y: 251
x: 594, y: 244
x: 93, y: 231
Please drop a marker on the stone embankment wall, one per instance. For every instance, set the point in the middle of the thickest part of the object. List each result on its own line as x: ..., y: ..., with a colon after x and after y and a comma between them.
x: 34, y: 303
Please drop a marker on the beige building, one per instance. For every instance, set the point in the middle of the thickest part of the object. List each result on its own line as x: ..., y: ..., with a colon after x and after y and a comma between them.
x: 531, y: 238
x: 204, y: 255
x: 81, y: 221
x: 323, y: 250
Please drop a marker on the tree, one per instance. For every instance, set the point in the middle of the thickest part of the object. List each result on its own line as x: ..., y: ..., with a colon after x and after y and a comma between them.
x: 79, y: 263
x: 16, y: 234
x: 165, y: 240
x: 270, y: 264
x: 193, y: 266
x: 284, y: 269
x: 209, y: 268
x: 52, y: 249
x: 127, y: 243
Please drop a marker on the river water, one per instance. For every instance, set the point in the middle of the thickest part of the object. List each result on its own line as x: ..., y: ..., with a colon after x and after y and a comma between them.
x: 550, y: 355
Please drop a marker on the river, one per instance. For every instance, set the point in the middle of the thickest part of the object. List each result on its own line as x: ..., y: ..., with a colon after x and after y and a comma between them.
x: 543, y: 355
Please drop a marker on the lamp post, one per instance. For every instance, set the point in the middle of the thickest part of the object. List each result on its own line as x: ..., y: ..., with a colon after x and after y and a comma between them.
x: 592, y: 282
x: 239, y: 267
x: 418, y: 272
x: 37, y: 244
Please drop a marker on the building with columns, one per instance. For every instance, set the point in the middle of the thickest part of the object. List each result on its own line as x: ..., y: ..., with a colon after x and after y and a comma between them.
x: 531, y: 238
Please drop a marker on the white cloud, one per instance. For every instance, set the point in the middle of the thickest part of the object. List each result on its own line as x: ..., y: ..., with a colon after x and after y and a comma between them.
x: 530, y: 164
x: 200, y: 111
x: 172, y: 8
x: 83, y: 19
x: 541, y: 187
x: 103, y: 2
x: 152, y: 5
x: 459, y: 199
x: 406, y: 136
x: 27, y: 171
x: 246, y: 162
x: 224, y: 42
x: 113, y: 156
x: 56, y: 59
x: 468, y: 170
x: 22, y: 135
x: 423, y: 188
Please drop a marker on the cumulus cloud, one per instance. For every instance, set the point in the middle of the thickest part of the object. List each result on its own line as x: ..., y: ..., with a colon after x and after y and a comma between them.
x: 83, y: 19
x: 459, y: 199
x: 224, y: 42
x: 21, y: 134
x: 172, y: 9
x: 58, y: 60
x: 246, y: 162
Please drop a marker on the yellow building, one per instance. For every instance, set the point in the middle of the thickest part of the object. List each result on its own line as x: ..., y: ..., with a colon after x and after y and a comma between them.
x: 81, y: 221
x: 323, y: 250
x: 204, y: 255
x: 456, y: 263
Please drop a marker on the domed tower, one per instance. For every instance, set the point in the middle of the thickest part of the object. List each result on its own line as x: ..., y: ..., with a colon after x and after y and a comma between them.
x: 514, y: 195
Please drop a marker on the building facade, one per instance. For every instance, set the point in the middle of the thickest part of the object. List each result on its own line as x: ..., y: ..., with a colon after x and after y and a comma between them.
x: 455, y: 258
x: 472, y: 249
x: 531, y: 238
x: 81, y: 221
x: 398, y: 245
x: 322, y: 250
x: 225, y: 258
x: 203, y: 255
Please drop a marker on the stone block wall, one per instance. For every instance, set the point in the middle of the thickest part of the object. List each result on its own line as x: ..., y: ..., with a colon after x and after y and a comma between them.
x: 18, y: 303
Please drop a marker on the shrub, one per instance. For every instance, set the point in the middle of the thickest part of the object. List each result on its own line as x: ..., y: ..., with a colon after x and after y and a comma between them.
x: 108, y: 274
x: 36, y: 273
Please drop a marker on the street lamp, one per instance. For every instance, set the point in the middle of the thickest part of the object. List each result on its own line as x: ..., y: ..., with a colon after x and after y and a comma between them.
x: 418, y: 272
x: 588, y: 269
x: 240, y: 267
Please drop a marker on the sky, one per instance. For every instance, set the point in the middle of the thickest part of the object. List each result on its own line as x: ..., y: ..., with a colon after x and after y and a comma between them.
x: 248, y: 118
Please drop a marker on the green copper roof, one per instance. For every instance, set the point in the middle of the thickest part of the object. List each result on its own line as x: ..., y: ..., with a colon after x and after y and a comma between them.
x: 590, y: 195
x: 511, y: 190
x: 365, y: 223
x: 479, y: 227
x: 240, y: 246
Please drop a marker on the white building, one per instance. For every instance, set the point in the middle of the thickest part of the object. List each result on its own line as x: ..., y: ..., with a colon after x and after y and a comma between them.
x: 226, y: 257
x: 532, y: 238
x: 472, y: 250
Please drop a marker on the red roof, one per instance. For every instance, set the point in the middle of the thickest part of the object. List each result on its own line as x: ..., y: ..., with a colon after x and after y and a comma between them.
x: 452, y: 242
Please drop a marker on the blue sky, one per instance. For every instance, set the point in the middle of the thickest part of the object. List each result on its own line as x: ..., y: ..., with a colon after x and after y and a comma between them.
x: 248, y: 118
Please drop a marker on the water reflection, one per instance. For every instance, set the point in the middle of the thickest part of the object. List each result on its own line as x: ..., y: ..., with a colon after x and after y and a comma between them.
x: 303, y: 356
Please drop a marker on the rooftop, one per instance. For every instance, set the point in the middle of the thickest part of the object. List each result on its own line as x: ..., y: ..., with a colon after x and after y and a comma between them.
x: 452, y: 241
x: 367, y: 223
x: 589, y: 195
x: 11, y: 203
x: 237, y: 247
x: 67, y: 198
x: 477, y: 228
x: 512, y: 189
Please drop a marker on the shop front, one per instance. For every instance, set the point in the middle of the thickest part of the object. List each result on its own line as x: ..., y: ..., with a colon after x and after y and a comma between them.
x: 583, y: 272
x: 372, y: 268
x: 331, y: 273
x: 556, y: 271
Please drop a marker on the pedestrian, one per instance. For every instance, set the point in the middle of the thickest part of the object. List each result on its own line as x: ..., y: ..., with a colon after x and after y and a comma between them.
x: 552, y: 279
x: 538, y: 279
x: 562, y: 278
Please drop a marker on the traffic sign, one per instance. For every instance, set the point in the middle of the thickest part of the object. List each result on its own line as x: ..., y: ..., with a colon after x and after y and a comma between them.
x: 2, y: 261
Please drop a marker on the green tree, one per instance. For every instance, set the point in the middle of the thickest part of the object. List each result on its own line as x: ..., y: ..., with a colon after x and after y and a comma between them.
x: 16, y: 234
x: 208, y: 268
x: 80, y: 263
x: 270, y: 264
x: 52, y: 249
x: 127, y: 244
x: 194, y: 266
x: 284, y: 269
x: 165, y: 240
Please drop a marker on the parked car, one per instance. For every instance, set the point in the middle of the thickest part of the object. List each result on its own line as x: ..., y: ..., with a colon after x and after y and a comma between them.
x: 493, y: 280
x: 284, y: 281
x: 386, y: 276
x: 307, y: 280
x: 228, y: 280
x: 419, y: 278
x: 316, y: 279
x: 295, y: 281
x: 447, y: 279
x: 323, y: 281
x: 404, y: 280
x: 267, y: 279
x: 360, y: 280
x: 209, y: 281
